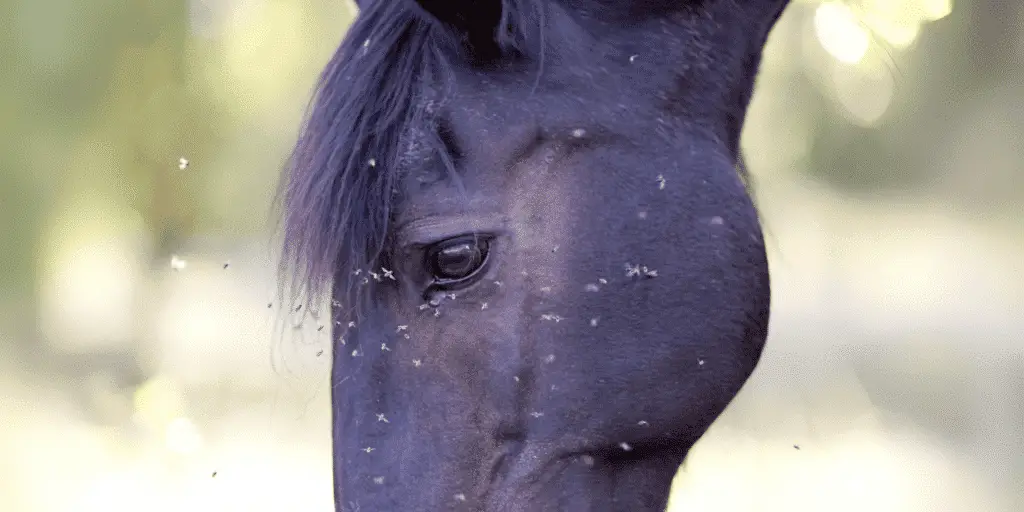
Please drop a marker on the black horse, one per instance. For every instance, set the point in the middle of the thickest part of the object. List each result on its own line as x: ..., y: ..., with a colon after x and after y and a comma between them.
x: 546, y: 274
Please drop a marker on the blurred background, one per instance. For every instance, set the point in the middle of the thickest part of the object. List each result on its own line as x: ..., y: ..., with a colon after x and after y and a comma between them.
x: 144, y: 364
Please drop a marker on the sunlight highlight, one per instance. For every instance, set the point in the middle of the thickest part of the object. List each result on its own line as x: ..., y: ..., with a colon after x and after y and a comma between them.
x: 840, y: 33
x: 92, y: 260
x: 157, y: 402
x: 847, y: 35
x: 936, y: 9
x: 183, y: 437
x: 861, y: 37
x: 865, y: 92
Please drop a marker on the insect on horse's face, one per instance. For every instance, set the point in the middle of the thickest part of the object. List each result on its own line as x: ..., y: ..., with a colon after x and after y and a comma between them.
x: 577, y: 282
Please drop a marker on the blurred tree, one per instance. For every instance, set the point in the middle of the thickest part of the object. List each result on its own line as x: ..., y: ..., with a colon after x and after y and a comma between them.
x: 97, y: 102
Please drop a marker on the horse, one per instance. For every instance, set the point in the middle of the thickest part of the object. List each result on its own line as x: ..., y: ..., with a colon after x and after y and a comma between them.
x: 545, y: 269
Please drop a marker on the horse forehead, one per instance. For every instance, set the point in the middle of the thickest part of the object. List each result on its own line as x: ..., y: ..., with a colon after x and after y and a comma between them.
x: 556, y: 86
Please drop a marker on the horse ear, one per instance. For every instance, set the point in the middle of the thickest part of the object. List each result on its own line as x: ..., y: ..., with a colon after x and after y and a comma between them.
x: 475, y: 20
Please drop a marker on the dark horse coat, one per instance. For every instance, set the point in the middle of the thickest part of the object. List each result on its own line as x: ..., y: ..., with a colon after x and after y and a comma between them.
x: 546, y: 275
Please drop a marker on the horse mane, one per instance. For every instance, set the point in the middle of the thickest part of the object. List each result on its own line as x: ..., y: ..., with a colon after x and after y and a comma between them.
x: 341, y: 182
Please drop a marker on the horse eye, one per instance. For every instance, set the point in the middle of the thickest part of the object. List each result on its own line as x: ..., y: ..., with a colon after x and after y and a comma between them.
x: 454, y: 261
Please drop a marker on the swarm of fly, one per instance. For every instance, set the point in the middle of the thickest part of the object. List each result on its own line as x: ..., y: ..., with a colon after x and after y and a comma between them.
x: 640, y: 270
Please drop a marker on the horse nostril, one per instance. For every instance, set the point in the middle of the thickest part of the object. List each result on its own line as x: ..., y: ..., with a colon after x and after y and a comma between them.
x: 510, y: 438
